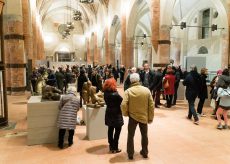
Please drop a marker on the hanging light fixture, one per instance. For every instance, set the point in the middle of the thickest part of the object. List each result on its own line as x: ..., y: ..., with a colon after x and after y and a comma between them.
x: 77, y: 15
x: 86, y: 1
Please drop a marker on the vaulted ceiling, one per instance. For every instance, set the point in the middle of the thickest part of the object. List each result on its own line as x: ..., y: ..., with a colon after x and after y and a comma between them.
x: 56, y: 12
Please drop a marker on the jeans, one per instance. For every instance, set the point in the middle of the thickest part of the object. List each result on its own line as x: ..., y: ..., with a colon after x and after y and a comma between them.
x: 113, y: 137
x: 192, y: 111
x: 62, y: 135
x: 200, y: 105
x: 169, y: 100
x: 144, y: 137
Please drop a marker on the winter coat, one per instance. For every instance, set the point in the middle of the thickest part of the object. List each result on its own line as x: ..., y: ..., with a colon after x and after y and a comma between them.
x: 127, y: 83
x: 224, y: 96
x: 223, y: 81
x: 150, y: 78
x: 51, y: 80
x: 113, y: 115
x: 193, y: 85
x: 80, y: 81
x: 157, y: 81
x: 171, y: 80
x: 138, y: 104
x: 60, y: 80
x: 69, y: 106
x: 204, y: 89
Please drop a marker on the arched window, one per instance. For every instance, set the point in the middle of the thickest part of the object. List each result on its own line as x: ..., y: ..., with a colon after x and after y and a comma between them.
x: 203, y: 50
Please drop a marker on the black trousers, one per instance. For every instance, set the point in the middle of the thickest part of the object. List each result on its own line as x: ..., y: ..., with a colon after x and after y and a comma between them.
x: 113, y: 137
x: 200, y: 105
x: 156, y: 96
x: 169, y: 100
x: 175, y: 94
x: 62, y: 135
x: 144, y: 137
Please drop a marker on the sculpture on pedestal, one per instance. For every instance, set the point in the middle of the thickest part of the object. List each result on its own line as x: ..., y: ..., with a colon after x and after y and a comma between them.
x: 51, y: 93
x: 90, y: 97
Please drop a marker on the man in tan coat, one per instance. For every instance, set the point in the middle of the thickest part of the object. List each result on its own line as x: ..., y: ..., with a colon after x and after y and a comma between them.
x: 139, y: 107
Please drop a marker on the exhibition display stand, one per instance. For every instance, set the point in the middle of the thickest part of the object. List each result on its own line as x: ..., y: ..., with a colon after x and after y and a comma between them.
x: 42, y: 121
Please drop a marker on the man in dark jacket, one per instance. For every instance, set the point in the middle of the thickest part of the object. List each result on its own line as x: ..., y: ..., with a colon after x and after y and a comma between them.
x: 80, y: 81
x: 177, y: 83
x: 157, y: 86
x: 146, y: 76
x: 127, y: 83
x: 60, y: 78
x: 204, y: 92
x: 51, y: 79
x: 193, y: 87
x: 96, y: 80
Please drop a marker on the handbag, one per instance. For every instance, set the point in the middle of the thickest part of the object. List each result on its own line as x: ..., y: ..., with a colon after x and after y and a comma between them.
x: 213, y: 103
x: 166, y: 84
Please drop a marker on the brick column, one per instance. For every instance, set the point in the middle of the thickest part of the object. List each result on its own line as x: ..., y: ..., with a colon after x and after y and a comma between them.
x: 155, y: 23
x: 27, y: 29
x: 129, y: 52
x: 123, y: 41
x: 14, y: 48
x: 88, y: 50
x: 107, y: 52
x: 164, y: 45
x: 95, y: 55
x: 112, y: 54
x: 34, y: 38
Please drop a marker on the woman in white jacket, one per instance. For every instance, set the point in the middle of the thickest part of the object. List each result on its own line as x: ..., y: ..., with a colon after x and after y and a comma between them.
x: 224, y: 96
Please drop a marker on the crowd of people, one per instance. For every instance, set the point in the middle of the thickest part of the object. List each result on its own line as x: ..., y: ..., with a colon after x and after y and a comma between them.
x: 142, y: 88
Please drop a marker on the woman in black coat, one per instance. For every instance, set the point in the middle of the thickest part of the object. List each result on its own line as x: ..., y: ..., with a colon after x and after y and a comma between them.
x: 80, y: 81
x: 203, y: 93
x: 113, y: 115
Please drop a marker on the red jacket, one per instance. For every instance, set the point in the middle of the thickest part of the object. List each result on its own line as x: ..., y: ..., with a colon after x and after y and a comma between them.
x: 171, y: 80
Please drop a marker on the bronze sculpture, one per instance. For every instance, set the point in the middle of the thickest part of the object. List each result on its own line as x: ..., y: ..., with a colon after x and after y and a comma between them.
x: 90, y: 97
x: 51, y: 93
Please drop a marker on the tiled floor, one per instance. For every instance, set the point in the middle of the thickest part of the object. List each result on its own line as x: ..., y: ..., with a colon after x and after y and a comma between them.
x: 172, y: 139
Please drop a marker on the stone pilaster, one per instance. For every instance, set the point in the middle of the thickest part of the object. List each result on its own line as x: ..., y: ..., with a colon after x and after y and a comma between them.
x: 34, y: 38
x: 129, y: 52
x: 155, y: 23
x: 88, y: 51
x: 225, y: 51
x: 27, y: 29
x: 123, y: 41
x: 14, y: 48
x: 164, y: 45
x: 107, y: 54
x: 112, y: 54
x: 95, y: 55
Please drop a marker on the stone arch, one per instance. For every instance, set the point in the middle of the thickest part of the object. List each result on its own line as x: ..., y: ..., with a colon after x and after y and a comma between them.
x: 203, y: 50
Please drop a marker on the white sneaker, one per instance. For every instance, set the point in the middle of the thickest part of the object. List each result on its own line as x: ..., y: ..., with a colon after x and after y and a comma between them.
x: 202, y: 115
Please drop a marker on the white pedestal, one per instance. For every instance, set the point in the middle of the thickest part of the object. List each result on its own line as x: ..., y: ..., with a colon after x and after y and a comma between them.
x: 84, y: 114
x: 95, y: 123
x: 42, y: 121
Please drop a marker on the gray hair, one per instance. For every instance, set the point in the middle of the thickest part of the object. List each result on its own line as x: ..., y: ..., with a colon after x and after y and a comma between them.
x: 134, y: 77
x: 193, y: 68
x: 71, y: 89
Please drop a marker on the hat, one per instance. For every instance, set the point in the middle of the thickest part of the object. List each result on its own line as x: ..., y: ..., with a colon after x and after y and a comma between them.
x: 71, y: 90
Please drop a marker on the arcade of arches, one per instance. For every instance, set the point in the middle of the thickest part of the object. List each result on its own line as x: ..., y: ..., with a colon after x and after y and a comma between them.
x: 113, y: 32
x: 117, y: 32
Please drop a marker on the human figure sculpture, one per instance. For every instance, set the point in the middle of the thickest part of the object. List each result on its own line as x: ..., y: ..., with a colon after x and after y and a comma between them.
x: 90, y: 97
x: 40, y: 84
x: 51, y: 93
